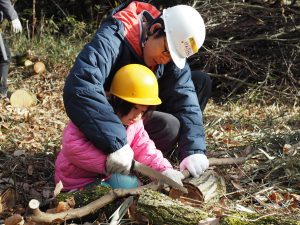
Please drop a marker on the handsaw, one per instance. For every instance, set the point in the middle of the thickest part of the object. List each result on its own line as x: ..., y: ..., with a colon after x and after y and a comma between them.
x: 149, y: 172
x: 116, y: 217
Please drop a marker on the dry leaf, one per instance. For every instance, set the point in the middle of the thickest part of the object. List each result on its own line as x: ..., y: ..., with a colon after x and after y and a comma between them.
x: 276, y: 197
x: 46, y: 193
x: 209, y: 221
x: 218, y: 211
x: 30, y: 170
x: 236, y: 184
x: 62, y: 207
x: 19, y: 153
x: 243, y: 209
x: 15, y: 219
x: 286, y: 148
x: 58, y: 187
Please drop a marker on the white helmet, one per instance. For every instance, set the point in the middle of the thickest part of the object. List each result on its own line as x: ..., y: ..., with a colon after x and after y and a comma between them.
x: 185, y: 31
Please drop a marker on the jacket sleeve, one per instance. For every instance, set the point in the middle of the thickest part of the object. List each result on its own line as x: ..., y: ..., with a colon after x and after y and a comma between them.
x: 81, y: 152
x: 84, y: 95
x: 8, y: 10
x: 145, y: 151
x: 179, y: 98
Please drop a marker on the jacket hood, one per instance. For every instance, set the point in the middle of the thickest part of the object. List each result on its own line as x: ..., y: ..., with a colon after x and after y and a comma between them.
x: 131, y: 17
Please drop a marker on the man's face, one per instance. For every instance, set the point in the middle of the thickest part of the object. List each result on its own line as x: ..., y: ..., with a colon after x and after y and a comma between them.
x: 156, y: 51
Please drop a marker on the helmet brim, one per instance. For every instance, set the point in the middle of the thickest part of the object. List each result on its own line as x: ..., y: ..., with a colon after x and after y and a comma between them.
x: 177, y: 59
x: 141, y: 101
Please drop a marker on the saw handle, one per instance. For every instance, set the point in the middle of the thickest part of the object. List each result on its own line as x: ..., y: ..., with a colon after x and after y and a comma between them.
x: 186, y: 173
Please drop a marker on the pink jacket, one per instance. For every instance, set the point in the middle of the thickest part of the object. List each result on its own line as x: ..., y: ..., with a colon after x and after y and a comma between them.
x: 79, y: 162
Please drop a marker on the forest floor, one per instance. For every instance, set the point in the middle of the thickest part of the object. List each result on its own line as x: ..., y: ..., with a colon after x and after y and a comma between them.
x: 267, y: 133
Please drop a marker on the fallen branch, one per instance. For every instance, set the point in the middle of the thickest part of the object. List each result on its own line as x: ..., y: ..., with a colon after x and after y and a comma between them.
x: 220, y: 162
x: 226, y: 161
x: 42, y: 217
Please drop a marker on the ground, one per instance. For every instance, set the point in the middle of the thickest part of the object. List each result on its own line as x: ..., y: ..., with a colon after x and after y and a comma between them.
x: 268, y: 133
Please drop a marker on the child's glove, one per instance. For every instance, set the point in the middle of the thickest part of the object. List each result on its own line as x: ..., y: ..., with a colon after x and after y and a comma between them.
x: 175, y: 175
x: 196, y: 164
x: 120, y: 161
x: 16, y: 25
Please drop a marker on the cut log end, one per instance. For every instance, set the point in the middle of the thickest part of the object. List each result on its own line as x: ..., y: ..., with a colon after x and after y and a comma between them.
x: 23, y: 98
x: 34, y: 204
x: 39, y: 67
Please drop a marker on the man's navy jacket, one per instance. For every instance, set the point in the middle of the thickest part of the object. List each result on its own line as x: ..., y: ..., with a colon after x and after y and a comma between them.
x: 113, y: 46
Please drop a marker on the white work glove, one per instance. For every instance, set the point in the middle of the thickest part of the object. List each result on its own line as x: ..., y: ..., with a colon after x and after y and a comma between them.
x: 196, y: 164
x: 16, y: 25
x: 120, y: 161
x: 175, y: 175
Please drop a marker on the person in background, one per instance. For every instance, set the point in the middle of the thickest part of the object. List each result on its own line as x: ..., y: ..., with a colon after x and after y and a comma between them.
x: 133, y: 95
x: 137, y: 32
x: 7, y: 11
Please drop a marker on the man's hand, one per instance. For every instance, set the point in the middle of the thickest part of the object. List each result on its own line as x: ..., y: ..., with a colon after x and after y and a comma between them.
x: 16, y: 25
x: 175, y: 175
x: 120, y: 161
x: 196, y: 164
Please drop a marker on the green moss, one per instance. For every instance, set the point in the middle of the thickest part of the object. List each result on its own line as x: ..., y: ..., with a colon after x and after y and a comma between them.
x: 254, y: 219
x: 84, y: 196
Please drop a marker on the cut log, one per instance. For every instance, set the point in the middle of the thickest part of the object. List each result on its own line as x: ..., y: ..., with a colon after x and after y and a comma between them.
x: 22, y: 98
x: 161, y: 209
x: 208, y: 188
x: 39, y: 67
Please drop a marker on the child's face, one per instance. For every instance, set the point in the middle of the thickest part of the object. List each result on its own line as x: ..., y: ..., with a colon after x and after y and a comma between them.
x: 134, y: 115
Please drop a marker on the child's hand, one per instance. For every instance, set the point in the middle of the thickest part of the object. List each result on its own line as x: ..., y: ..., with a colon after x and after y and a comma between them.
x: 120, y: 161
x: 175, y: 175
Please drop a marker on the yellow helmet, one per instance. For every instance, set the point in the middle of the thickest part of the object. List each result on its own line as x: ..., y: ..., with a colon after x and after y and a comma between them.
x: 136, y: 84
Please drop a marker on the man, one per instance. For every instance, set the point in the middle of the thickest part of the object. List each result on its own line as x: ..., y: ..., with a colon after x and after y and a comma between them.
x: 137, y: 32
x: 7, y: 11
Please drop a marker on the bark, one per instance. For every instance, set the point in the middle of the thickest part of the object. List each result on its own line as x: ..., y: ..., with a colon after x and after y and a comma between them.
x: 161, y: 209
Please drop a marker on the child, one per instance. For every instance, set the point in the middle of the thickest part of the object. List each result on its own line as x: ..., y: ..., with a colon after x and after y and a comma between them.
x: 133, y: 95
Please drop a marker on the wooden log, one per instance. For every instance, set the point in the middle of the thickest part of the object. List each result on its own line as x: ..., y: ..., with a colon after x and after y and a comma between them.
x: 22, y: 98
x: 39, y: 67
x: 208, y: 188
x: 161, y: 209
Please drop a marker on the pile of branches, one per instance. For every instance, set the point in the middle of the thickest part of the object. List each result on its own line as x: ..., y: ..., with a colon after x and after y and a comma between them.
x: 251, y: 45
